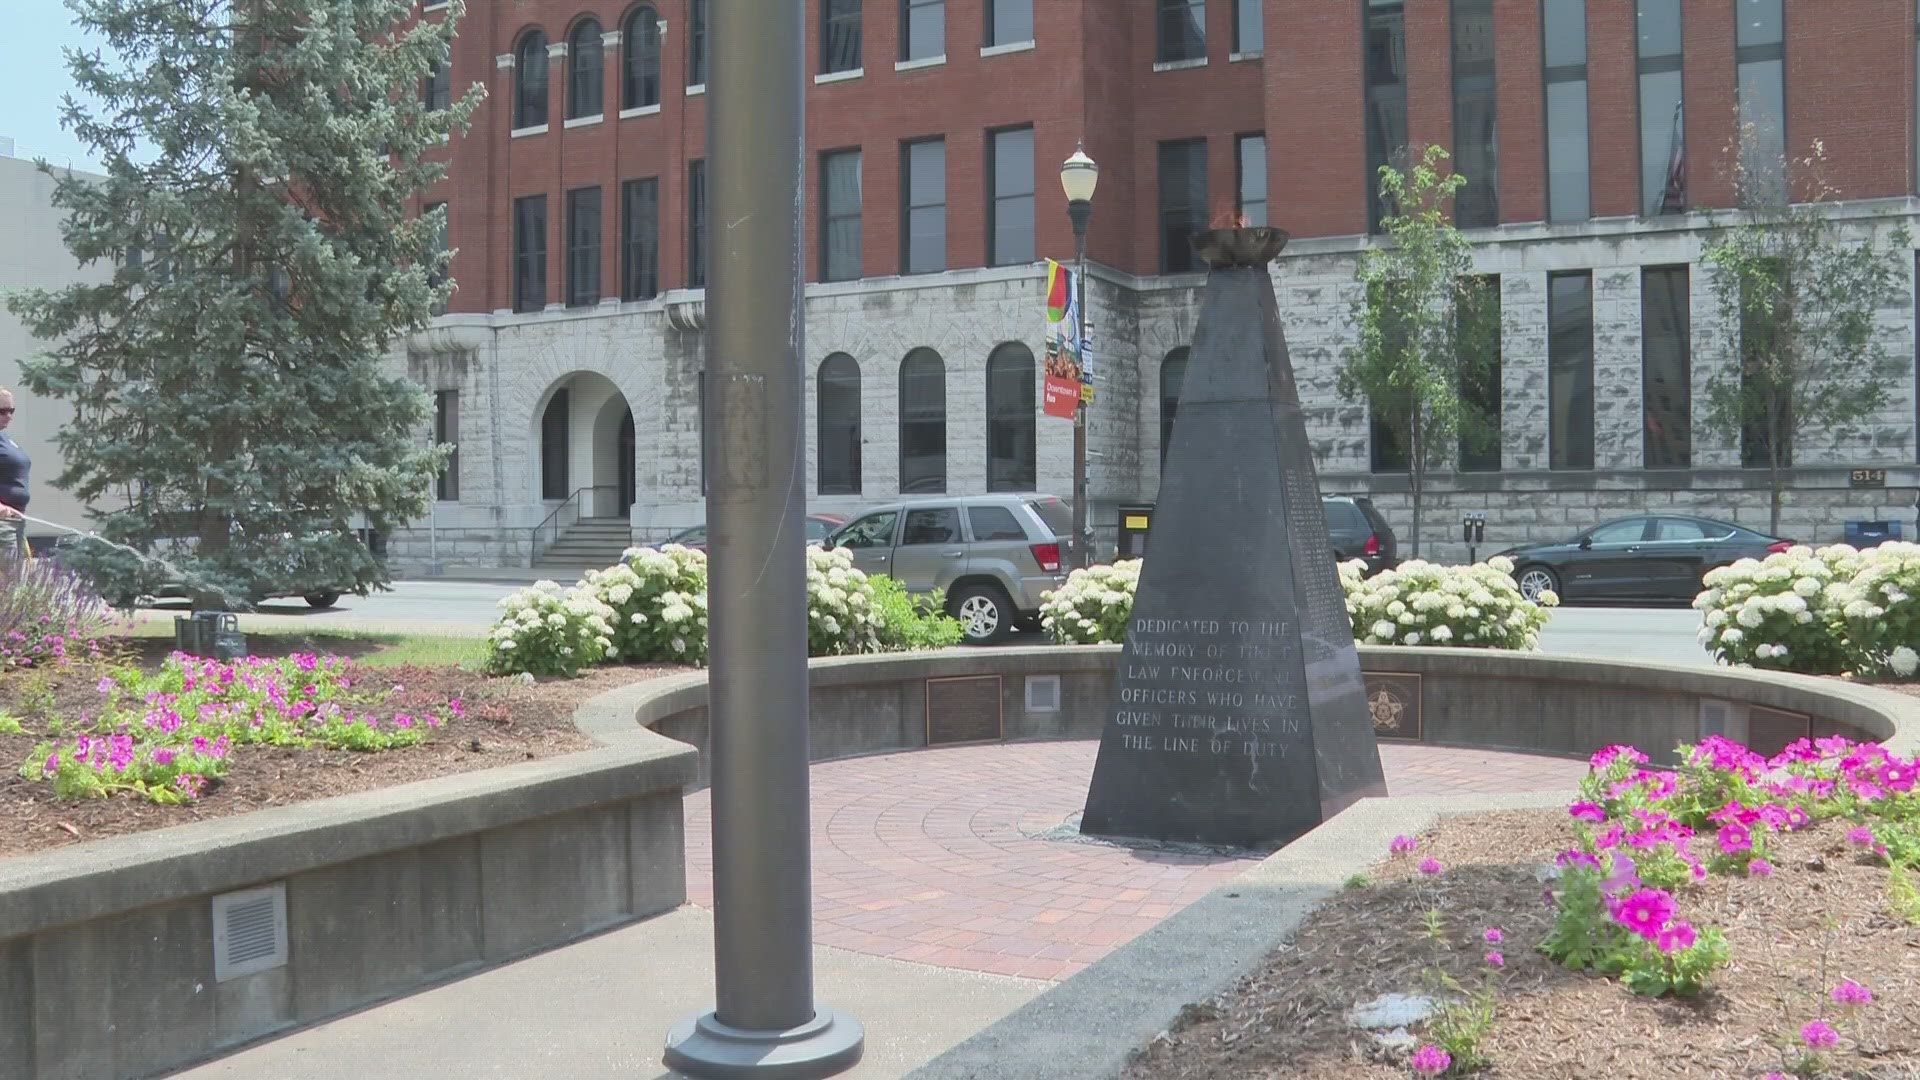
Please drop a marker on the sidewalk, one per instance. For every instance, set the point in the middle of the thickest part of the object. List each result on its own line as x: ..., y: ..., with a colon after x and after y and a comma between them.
x: 600, y: 1008
x: 506, y: 575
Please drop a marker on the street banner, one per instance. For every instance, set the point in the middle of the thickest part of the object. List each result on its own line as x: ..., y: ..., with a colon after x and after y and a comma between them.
x: 1064, y: 379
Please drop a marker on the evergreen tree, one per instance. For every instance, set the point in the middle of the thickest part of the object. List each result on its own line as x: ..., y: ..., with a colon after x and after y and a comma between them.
x: 231, y: 411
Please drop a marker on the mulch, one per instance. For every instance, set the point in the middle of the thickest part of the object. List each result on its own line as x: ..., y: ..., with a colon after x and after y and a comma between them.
x: 506, y: 722
x: 1821, y: 917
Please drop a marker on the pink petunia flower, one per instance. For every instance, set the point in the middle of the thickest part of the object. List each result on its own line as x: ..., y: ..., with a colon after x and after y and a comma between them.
x: 1860, y: 836
x: 1760, y: 868
x: 1401, y: 845
x: 1586, y: 811
x: 1819, y: 1034
x: 1430, y: 1060
x: 1492, y: 935
x: 1494, y: 959
x: 1645, y: 912
x: 1735, y: 839
x: 1430, y: 866
x: 1851, y: 993
x: 1676, y: 938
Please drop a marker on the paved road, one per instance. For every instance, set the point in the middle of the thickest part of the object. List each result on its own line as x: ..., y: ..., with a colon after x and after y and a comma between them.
x: 469, y: 607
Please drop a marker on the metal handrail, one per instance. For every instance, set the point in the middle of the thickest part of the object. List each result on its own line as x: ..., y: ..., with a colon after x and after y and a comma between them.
x: 570, y: 502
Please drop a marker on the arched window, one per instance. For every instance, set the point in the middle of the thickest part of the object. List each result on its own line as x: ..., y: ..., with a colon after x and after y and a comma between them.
x: 586, y: 70
x: 838, y: 402
x: 530, y: 80
x: 1173, y: 372
x: 923, y: 423
x: 640, y: 63
x: 1010, y: 426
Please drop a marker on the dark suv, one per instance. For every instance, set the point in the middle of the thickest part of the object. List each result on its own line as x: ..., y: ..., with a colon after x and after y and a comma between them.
x: 1360, y: 532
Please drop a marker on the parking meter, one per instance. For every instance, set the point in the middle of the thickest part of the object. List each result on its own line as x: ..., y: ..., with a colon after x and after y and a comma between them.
x: 1473, y: 530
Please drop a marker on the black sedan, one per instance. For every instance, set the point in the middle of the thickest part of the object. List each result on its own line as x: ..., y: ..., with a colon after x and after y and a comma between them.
x: 1647, y: 557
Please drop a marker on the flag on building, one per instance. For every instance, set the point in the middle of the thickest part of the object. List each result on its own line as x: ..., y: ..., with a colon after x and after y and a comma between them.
x: 1064, y: 382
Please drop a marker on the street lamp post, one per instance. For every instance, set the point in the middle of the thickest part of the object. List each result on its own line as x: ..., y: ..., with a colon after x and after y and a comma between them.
x: 765, y: 1023
x: 1078, y: 177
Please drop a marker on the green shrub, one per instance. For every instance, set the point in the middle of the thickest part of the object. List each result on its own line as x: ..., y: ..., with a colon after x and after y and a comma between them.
x: 908, y: 623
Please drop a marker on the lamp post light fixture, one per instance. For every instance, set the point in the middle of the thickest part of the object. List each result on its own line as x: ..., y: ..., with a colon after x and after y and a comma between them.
x: 1079, y: 175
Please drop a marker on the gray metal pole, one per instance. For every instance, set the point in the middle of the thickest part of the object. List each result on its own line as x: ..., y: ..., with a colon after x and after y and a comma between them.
x: 1079, y: 211
x: 766, y: 1023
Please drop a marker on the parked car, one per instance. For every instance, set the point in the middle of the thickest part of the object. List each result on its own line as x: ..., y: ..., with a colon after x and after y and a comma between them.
x: 1360, y: 532
x: 818, y: 527
x: 1643, y: 557
x: 992, y: 555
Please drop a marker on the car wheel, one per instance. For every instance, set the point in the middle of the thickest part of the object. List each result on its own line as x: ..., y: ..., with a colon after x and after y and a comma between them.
x: 322, y: 600
x: 985, y: 614
x: 1534, y: 580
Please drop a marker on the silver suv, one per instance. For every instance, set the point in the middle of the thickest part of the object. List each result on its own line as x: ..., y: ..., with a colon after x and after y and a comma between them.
x: 993, y: 555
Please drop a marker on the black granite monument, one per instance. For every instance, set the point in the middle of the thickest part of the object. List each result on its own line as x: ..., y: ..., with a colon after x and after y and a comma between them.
x: 1240, y: 715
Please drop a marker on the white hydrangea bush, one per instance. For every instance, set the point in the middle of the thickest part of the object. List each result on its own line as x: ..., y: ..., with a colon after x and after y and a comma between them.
x: 1423, y: 603
x: 842, y: 618
x: 1092, y: 607
x: 547, y: 630
x: 659, y: 602
x: 1784, y: 612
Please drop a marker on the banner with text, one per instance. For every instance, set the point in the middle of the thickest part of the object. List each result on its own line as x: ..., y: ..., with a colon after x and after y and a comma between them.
x: 1065, y: 381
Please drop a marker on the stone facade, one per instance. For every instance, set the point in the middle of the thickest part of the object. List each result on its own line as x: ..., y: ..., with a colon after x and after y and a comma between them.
x: 646, y: 356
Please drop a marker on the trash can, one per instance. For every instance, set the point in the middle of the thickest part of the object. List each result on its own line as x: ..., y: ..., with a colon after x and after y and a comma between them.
x: 1866, y: 534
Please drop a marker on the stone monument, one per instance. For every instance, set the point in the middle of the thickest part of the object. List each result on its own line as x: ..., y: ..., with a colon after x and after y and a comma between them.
x: 1239, y: 717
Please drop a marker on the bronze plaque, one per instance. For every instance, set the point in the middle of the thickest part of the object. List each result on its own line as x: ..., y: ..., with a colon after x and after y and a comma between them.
x: 964, y: 709
x: 1393, y: 700
x: 1770, y: 730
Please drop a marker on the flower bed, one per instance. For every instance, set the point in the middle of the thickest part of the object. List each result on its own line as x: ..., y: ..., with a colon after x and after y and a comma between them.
x: 1826, y: 611
x: 1739, y: 917
x: 1419, y: 603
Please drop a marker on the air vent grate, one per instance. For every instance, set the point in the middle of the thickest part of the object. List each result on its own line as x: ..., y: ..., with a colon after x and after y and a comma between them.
x: 249, y: 932
x: 1715, y: 718
x: 1043, y: 693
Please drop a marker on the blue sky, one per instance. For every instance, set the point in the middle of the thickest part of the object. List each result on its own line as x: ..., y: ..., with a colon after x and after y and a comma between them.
x: 33, y: 78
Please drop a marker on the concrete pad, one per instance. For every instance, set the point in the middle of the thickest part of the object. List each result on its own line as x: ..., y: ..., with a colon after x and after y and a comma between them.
x: 601, y: 1008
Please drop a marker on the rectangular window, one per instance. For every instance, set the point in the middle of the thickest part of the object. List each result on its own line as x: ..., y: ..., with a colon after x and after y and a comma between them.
x: 436, y: 90
x: 1475, y: 146
x: 839, y: 35
x: 530, y: 253
x: 923, y: 29
x: 923, y: 186
x: 1477, y: 338
x: 1252, y: 153
x: 583, y: 247
x: 1009, y: 22
x: 639, y: 239
x: 840, y: 215
x: 438, y: 275
x: 1183, y: 203
x: 1663, y: 139
x: 1249, y: 30
x: 1386, y: 101
x: 1182, y: 31
x: 697, y: 225
x: 1570, y: 370
x: 446, y: 430
x: 1760, y: 50
x: 1010, y: 197
x: 1666, y: 368
x: 696, y: 42
x: 1564, y: 27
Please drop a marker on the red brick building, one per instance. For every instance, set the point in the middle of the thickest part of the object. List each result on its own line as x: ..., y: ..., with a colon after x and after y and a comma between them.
x: 1595, y: 135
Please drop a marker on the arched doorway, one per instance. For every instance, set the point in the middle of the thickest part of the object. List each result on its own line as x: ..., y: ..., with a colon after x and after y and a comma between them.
x: 587, y: 447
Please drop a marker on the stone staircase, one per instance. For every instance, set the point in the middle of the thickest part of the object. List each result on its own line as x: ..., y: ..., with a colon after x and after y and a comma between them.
x: 590, y: 542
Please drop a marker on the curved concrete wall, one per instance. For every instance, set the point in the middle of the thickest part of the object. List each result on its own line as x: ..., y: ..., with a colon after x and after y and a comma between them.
x: 1466, y: 697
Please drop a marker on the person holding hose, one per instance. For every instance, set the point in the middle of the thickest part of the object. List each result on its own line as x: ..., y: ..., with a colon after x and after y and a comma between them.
x: 14, y: 465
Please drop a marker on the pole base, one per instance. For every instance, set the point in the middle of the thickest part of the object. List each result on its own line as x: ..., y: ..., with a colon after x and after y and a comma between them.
x: 829, y: 1044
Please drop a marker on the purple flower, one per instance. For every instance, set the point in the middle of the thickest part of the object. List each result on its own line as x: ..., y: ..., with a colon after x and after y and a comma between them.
x: 1625, y: 875
x: 1819, y: 1034
x: 1860, y: 835
x: 1430, y: 1060
x: 1586, y: 811
x: 1760, y: 868
x: 1851, y: 993
x: 1676, y: 938
x: 1401, y: 845
x: 1493, y: 936
x: 1494, y: 959
x: 1576, y: 857
x: 105, y: 685
x: 1430, y: 866
x: 1645, y: 912
x: 1735, y: 838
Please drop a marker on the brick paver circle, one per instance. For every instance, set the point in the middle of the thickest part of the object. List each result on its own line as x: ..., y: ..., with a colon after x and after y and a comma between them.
x: 931, y: 855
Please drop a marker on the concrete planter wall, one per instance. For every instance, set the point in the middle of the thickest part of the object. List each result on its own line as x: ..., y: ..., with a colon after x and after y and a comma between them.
x: 1469, y: 697
x: 107, y: 949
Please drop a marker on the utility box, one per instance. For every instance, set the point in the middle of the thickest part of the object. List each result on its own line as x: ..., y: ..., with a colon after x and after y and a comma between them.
x: 1866, y: 534
x: 1135, y: 520
x: 211, y: 634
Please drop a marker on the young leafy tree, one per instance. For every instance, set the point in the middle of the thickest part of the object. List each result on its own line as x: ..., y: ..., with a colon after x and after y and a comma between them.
x: 230, y: 406
x: 1799, y: 291
x: 1416, y: 315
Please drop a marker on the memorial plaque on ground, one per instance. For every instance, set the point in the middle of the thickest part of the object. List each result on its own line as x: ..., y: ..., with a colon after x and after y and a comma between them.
x: 1239, y: 716
x: 963, y: 709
